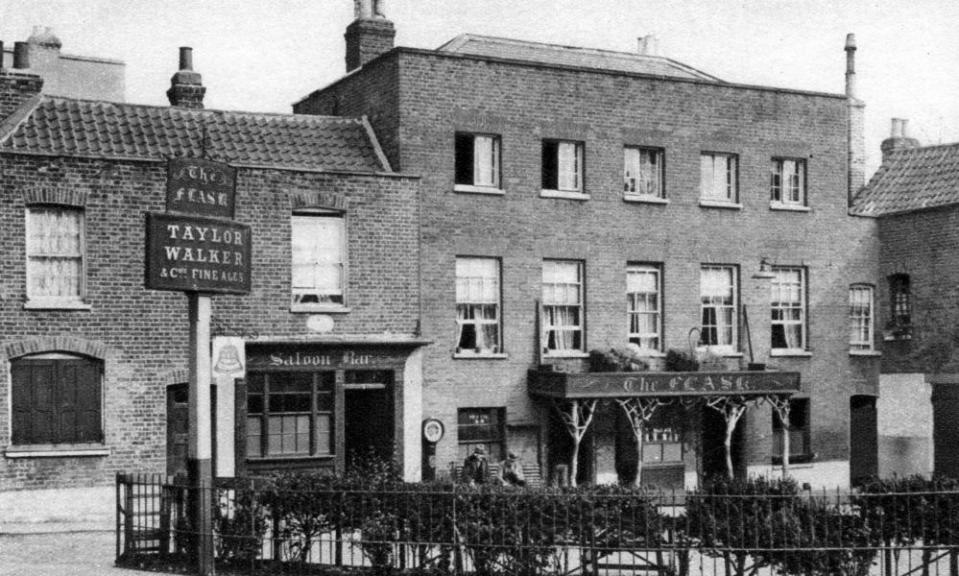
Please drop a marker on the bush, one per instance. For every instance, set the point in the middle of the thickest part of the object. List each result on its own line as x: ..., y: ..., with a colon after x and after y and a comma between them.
x: 240, y: 526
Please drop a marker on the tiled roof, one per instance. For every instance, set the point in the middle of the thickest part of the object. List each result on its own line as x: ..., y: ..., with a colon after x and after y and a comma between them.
x: 97, y: 129
x: 912, y: 179
x: 572, y: 56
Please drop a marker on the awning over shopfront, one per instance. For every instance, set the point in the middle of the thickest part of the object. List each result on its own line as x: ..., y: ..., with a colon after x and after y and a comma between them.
x: 560, y: 385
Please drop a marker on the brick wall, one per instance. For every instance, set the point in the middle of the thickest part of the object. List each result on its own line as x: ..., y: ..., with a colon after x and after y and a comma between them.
x: 439, y: 95
x: 16, y: 87
x: 141, y: 334
x: 929, y: 260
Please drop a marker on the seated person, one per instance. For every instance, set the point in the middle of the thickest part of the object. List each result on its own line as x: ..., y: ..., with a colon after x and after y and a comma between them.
x: 476, y: 467
x: 511, y: 471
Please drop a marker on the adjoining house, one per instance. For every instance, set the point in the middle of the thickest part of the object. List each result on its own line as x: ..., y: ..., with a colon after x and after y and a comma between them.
x: 575, y: 200
x: 94, y: 364
x: 914, y: 197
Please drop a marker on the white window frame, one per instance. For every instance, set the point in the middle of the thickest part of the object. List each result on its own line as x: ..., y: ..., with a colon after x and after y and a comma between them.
x: 299, y: 293
x: 487, y: 164
x: 570, y: 172
x: 634, y: 311
x: 719, y: 178
x: 35, y: 255
x: 787, y: 183
x: 788, y: 295
x: 862, y: 318
x: 713, y: 301
x: 556, y: 295
x: 478, y: 291
x: 644, y: 173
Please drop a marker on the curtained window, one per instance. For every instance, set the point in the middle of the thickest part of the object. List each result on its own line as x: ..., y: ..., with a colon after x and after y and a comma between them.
x: 643, y: 298
x: 563, y: 166
x: 55, y: 247
x: 478, y: 305
x: 643, y: 172
x: 788, y: 306
x: 319, y: 259
x: 861, y: 320
x: 718, y: 177
x: 719, y: 307
x: 787, y: 182
x: 562, y: 317
x: 478, y: 160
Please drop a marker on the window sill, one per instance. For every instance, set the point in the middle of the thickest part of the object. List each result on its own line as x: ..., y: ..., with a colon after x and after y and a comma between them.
x: 566, y: 354
x: 866, y: 353
x: 567, y: 194
x: 721, y: 353
x: 319, y: 309
x: 788, y: 207
x: 39, y: 304
x: 795, y: 459
x: 55, y: 450
x: 292, y: 458
x: 720, y: 204
x: 790, y: 353
x: 470, y: 189
x: 641, y: 199
x: 480, y: 355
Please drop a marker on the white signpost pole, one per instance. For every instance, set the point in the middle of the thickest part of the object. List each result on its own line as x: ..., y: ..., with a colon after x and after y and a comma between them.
x: 201, y: 445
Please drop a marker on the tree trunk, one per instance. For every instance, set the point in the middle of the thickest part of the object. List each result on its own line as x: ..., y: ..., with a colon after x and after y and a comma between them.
x: 728, y: 444
x: 574, y: 461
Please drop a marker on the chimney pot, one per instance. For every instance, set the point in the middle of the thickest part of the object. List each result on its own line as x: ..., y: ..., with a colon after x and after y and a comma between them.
x: 21, y: 55
x: 850, y: 41
x: 649, y: 45
x: 898, y: 138
x: 186, y: 58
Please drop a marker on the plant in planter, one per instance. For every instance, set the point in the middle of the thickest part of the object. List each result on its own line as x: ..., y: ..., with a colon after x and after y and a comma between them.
x: 617, y: 360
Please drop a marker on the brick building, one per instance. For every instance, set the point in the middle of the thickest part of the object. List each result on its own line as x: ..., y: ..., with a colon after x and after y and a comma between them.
x: 914, y: 197
x: 94, y: 365
x: 577, y: 200
x: 64, y: 74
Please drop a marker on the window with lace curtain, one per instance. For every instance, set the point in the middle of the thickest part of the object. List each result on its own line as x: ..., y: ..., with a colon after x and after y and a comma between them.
x: 562, y: 317
x: 55, y: 256
x: 477, y: 306
x: 788, y: 305
x: 643, y: 296
x: 319, y: 261
x: 719, y: 307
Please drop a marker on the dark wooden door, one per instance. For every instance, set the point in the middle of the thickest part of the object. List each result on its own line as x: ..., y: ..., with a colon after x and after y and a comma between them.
x: 863, y: 438
x: 178, y: 427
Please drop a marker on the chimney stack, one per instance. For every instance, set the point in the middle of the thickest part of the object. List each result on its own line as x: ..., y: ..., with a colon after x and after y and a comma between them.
x: 21, y: 55
x: 649, y: 45
x: 369, y: 35
x: 898, y: 139
x: 856, y: 134
x: 186, y: 86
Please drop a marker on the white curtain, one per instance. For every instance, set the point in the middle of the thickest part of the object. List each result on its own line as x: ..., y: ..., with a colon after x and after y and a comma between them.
x: 318, y: 254
x: 55, y: 239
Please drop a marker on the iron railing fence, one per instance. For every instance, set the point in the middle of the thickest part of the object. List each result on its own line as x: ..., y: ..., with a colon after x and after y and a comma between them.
x: 455, y: 529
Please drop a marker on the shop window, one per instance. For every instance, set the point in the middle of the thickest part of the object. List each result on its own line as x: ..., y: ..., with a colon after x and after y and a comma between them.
x: 788, y: 305
x: 719, y: 178
x: 644, y: 306
x: 799, y: 448
x: 319, y: 261
x: 56, y: 399
x: 289, y: 414
x: 662, y: 445
x: 643, y: 172
x: 563, y: 166
x: 719, y: 307
x: 861, y: 318
x: 56, y: 274
x: 562, y: 316
x: 787, y: 182
x: 477, y: 162
x: 484, y: 428
x: 900, y: 298
x: 477, y: 306
x: 371, y: 379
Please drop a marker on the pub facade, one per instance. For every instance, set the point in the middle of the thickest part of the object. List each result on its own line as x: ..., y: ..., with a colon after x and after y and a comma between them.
x: 317, y: 354
x: 578, y: 203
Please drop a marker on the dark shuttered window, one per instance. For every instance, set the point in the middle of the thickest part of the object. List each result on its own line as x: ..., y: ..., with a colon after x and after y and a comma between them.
x: 56, y: 401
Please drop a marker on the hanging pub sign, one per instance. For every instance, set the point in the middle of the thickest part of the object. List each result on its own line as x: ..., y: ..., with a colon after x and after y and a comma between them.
x: 195, y: 254
x: 201, y: 187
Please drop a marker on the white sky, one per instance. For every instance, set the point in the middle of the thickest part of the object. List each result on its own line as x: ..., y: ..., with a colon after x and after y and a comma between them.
x: 262, y: 55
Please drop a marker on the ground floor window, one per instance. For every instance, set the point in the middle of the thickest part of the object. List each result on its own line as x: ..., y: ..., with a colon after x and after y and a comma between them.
x: 798, y: 430
x: 484, y: 428
x: 289, y: 414
x: 662, y: 445
x: 56, y: 399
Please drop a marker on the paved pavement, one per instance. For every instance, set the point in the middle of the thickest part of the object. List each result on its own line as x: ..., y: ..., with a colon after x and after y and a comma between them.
x: 86, y: 553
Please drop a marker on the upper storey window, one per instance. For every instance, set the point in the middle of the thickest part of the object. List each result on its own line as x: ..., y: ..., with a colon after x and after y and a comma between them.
x: 477, y: 305
x: 562, y: 307
x: 563, y: 167
x: 719, y: 307
x: 477, y: 163
x: 788, y: 305
x: 719, y: 178
x: 643, y: 173
x: 56, y: 275
x: 319, y: 261
x: 787, y: 183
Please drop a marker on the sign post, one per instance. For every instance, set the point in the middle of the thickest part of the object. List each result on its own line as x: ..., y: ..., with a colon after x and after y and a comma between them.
x: 195, y: 247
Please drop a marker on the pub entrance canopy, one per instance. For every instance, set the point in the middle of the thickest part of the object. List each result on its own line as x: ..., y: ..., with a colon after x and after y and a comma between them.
x: 639, y: 394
